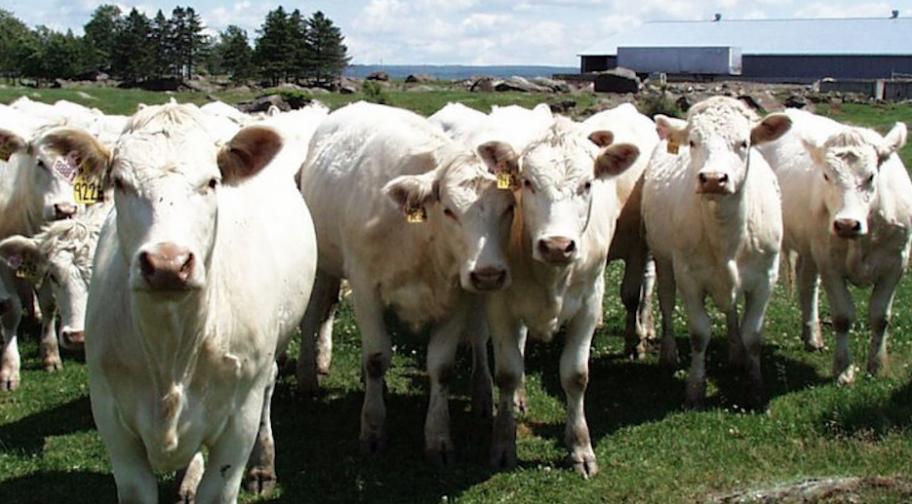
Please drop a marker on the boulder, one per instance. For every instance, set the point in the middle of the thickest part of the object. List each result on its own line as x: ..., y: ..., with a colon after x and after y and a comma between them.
x: 482, y: 84
x: 419, y: 78
x: 263, y: 103
x: 553, y: 85
x: 617, y: 80
x: 520, y: 84
x: 378, y: 76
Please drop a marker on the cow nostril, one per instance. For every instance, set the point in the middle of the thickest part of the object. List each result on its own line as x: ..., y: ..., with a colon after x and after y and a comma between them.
x: 543, y: 246
x: 187, y: 268
x: 145, y: 264
x: 703, y: 178
x: 723, y: 179
x: 570, y: 246
x: 856, y: 226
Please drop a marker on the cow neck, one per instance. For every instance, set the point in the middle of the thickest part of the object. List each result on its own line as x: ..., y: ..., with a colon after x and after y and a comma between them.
x: 725, y: 222
x: 172, y: 335
x: 19, y: 216
x: 544, y: 275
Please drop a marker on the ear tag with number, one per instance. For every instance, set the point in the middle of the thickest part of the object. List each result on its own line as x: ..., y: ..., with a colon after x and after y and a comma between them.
x: 86, y: 192
x: 504, y: 180
x: 673, y: 147
x: 416, y: 215
x: 6, y: 150
x: 27, y: 270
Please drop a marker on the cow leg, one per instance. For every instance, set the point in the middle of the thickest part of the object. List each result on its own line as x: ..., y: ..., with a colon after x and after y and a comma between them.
x: 316, y: 334
x: 631, y: 296
x: 843, y: 311
x: 482, y: 383
x: 574, y: 373
x: 520, y: 399
x: 228, y: 455
x: 49, y: 349
x: 191, y: 478
x: 736, y: 357
x: 11, y: 309
x: 376, y: 351
x: 666, y: 282
x: 261, y: 475
x: 441, y: 358
x: 506, y: 336
x: 808, y: 287
x: 646, y: 324
x: 136, y: 483
x: 755, y: 304
x: 700, y: 327
x: 879, y: 318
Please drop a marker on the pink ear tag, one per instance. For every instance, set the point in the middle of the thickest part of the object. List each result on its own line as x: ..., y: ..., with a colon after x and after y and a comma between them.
x: 66, y: 168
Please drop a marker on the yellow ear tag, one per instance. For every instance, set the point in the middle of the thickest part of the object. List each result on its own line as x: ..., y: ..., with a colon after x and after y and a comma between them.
x: 6, y: 150
x: 416, y: 215
x: 504, y: 180
x: 673, y: 147
x: 86, y: 192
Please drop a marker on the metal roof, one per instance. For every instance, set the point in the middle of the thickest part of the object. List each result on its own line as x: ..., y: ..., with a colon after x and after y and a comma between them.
x: 842, y: 36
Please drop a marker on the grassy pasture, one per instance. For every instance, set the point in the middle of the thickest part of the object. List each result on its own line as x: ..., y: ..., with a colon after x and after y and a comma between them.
x: 649, y: 448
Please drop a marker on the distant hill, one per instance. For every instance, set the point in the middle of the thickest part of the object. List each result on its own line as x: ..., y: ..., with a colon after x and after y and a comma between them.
x: 454, y: 72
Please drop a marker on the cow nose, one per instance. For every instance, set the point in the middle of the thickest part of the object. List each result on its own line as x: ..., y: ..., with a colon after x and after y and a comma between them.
x: 713, y: 182
x: 557, y: 249
x: 847, y: 228
x: 167, y: 267
x: 489, y: 278
x: 64, y: 210
x: 73, y: 340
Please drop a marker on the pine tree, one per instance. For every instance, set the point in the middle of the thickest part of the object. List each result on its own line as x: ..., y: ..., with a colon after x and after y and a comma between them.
x: 15, y: 38
x: 235, y: 54
x: 100, y: 34
x: 188, y: 41
x: 160, y: 41
x: 132, y: 58
x: 275, y: 47
x: 326, y: 55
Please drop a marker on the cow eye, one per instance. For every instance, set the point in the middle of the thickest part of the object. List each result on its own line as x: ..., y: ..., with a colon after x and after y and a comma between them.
x: 119, y: 184
x: 449, y: 213
x: 42, y: 165
x: 586, y: 187
x: 826, y: 177
x: 528, y: 185
x: 692, y: 144
x: 870, y: 179
x: 509, y: 209
x: 213, y: 183
x: 744, y: 144
x: 53, y: 278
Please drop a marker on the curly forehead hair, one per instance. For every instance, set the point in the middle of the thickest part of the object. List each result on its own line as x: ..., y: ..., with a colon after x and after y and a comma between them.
x: 722, y: 107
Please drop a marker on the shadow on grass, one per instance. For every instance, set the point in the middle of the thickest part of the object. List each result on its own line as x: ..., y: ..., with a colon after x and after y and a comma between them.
x: 78, y: 487
x: 28, y: 434
x: 871, y: 417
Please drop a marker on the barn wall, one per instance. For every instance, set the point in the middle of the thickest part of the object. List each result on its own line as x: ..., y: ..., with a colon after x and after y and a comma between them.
x: 810, y: 68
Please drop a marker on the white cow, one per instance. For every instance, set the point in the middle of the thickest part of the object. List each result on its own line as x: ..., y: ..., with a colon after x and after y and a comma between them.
x: 370, y: 169
x: 713, y: 221
x: 34, y: 190
x: 62, y: 257
x: 203, y: 270
x: 847, y: 203
x: 457, y: 120
x: 626, y: 124
x: 558, y: 249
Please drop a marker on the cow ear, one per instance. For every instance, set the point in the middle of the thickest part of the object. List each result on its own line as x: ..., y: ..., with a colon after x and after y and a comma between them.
x: 11, y: 143
x: 770, y: 128
x: 413, y: 193
x: 82, y: 147
x: 251, y: 150
x: 602, y: 138
x: 499, y: 157
x: 615, y: 159
x: 816, y: 150
x: 18, y: 250
x: 673, y: 130
x: 893, y: 141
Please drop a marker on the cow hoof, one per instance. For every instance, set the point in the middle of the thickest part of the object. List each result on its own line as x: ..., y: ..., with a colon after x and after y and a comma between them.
x: 587, y: 466
x: 814, y: 346
x: 373, y: 445
x: 846, y: 377
x: 10, y: 382
x: 503, y: 457
x: 52, y: 365
x: 260, y: 481
x: 521, y: 401
x: 186, y: 497
x: 668, y: 356
x: 876, y: 366
x: 442, y: 457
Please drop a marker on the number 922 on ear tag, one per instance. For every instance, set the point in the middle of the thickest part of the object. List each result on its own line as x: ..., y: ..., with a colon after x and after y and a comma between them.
x: 86, y: 192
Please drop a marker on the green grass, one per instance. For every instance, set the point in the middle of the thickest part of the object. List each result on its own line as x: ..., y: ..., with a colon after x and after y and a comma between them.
x: 649, y: 448
x: 123, y: 101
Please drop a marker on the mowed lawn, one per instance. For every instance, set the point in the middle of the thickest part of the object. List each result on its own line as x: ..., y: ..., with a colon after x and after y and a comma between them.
x: 649, y: 448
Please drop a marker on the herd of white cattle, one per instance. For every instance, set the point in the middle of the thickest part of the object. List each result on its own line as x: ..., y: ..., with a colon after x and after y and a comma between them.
x: 184, y: 277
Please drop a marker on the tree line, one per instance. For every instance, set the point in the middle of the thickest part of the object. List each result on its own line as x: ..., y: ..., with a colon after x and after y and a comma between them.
x: 133, y: 48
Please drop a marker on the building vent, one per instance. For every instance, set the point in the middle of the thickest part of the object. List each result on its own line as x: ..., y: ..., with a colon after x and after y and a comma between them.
x: 894, y: 14
x: 718, y: 17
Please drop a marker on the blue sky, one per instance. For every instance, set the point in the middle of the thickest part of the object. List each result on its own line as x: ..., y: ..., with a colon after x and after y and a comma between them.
x: 483, y: 32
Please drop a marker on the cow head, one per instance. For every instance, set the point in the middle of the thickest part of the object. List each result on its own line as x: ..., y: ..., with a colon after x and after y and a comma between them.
x: 61, y: 258
x: 46, y: 166
x: 719, y: 133
x: 849, y: 162
x: 168, y: 174
x: 560, y: 175
x: 460, y: 199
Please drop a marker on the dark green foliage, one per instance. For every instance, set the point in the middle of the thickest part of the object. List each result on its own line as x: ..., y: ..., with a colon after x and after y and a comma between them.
x: 132, y: 57
x: 233, y: 55
x: 100, y: 34
x: 374, y: 93
x: 324, y: 53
